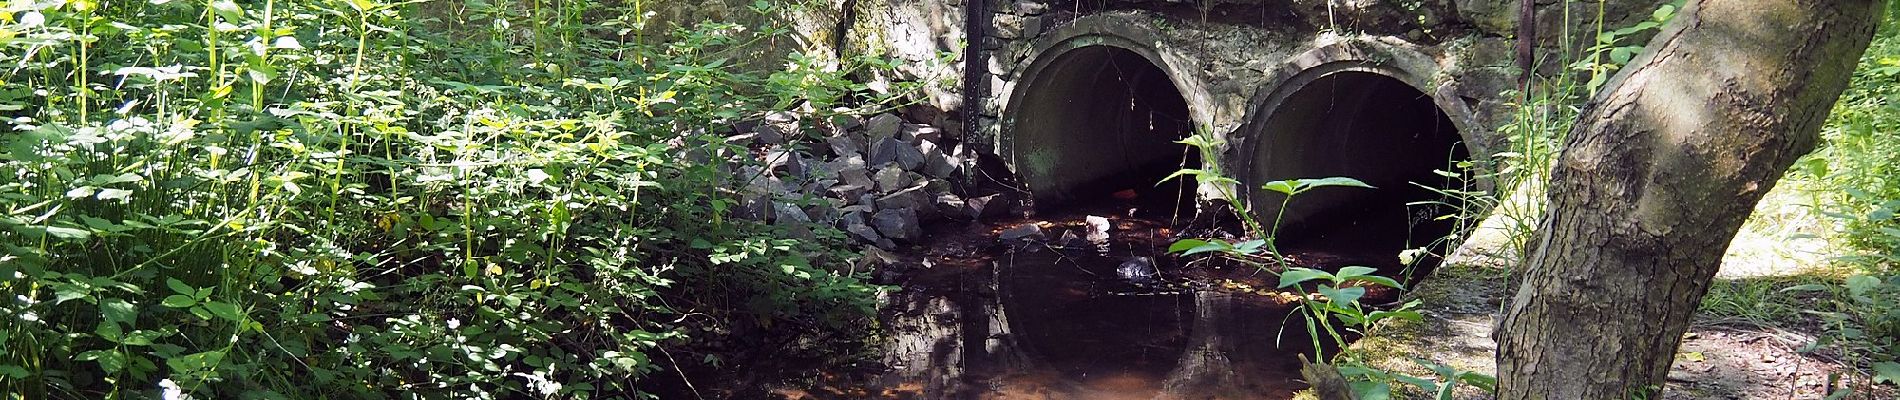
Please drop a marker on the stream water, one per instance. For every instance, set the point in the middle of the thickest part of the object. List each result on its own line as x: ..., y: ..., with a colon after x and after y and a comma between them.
x: 1050, y: 318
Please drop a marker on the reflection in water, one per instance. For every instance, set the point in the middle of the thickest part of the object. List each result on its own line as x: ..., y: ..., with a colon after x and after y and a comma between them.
x: 1057, y: 321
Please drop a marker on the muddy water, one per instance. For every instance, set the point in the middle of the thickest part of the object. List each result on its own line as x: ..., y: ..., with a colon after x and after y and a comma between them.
x: 1049, y: 318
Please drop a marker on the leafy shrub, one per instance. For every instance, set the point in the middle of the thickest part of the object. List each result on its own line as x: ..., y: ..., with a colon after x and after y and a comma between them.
x: 356, y: 199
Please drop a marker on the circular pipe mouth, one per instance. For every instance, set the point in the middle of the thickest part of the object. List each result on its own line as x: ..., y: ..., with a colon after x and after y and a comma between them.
x: 1097, y: 120
x: 1364, y: 124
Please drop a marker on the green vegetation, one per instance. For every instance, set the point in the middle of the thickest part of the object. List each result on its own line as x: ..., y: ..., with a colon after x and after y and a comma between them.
x: 1855, y: 180
x: 358, y: 199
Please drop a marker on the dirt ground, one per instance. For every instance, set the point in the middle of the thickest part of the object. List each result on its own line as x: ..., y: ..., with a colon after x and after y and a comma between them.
x: 1719, y: 358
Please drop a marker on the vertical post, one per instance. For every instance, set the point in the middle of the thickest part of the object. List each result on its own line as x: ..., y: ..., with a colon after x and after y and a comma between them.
x: 975, y: 88
x: 1526, y: 44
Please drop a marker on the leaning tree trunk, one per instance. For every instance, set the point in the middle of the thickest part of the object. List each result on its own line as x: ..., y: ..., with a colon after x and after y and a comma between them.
x: 1658, y: 175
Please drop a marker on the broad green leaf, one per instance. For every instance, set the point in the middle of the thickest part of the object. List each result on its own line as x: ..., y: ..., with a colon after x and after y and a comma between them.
x: 102, y: 180
x: 225, y: 310
x: 179, y: 286
x: 1342, y: 297
x: 1284, y: 187
x: 227, y: 9
x: 179, y: 301
x: 110, y: 331
x: 1251, y: 246
x: 1840, y: 394
x: 1185, y: 244
x: 117, y: 310
x: 65, y: 292
x: 1887, y: 372
x: 1371, y: 390
x: 68, y: 233
x: 1484, y: 382
x: 114, y: 194
x: 1333, y: 181
x: 1180, y: 173
x: 110, y: 360
x: 1376, y: 316
x: 1664, y: 13
x: 192, y: 364
x: 1859, y: 285
x: 1377, y: 280
x: 1348, y: 273
x: 1208, y: 247
x: 81, y: 192
x: 140, y: 338
x: 1297, y: 276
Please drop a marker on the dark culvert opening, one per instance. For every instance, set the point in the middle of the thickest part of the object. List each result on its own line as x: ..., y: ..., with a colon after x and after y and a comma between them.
x: 1373, y: 128
x: 1101, y: 122
x: 1092, y: 134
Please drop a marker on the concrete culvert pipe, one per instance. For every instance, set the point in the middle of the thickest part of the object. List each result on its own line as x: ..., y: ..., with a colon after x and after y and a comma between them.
x: 1362, y: 123
x: 1095, y: 120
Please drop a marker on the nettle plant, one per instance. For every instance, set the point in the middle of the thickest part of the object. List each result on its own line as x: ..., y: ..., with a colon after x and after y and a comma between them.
x: 1330, y: 302
x: 368, y: 199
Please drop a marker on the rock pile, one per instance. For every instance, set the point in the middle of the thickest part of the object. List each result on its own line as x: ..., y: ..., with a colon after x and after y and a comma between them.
x: 877, y: 179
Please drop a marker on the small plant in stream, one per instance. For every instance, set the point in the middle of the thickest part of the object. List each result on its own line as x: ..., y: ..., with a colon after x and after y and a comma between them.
x: 1330, y: 302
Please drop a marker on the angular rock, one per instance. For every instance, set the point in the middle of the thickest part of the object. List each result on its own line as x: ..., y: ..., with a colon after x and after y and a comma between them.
x: 950, y: 205
x: 858, y: 208
x: 882, y: 126
x: 793, y: 219
x: 869, y: 235
x: 910, y: 158
x: 842, y: 120
x: 932, y: 185
x: 1005, y: 26
x: 918, y: 134
x: 743, y: 139
x: 891, y: 179
x: 787, y: 212
x: 851, y: 171
x: 852, y: 217
x: 892, y: 150
x: 781, y: 159
x: 935, y: 163
x: 819, y: 170
x: 913, y: 198
x: 848, y: 191
x: 898, y: 224
x: 768, y: 134
x: 983, y: 207
x: 781, y: 117
x: 1024, y: 231
x: 754, y: 206
x: 818, y: 187
x: 1068, y: 239
x: 1031, y: 7
x: 824, y: 210
x: 843, y: 146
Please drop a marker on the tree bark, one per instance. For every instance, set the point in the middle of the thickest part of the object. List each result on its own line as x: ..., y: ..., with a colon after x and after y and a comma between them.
x: 1658, y: 174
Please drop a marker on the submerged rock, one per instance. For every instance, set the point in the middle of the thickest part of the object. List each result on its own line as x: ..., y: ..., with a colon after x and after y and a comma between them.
x: 1024, y: 231
x: 1139, y: 271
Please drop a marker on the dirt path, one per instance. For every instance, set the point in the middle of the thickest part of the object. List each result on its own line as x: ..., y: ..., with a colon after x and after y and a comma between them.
x: 1720, y: 358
